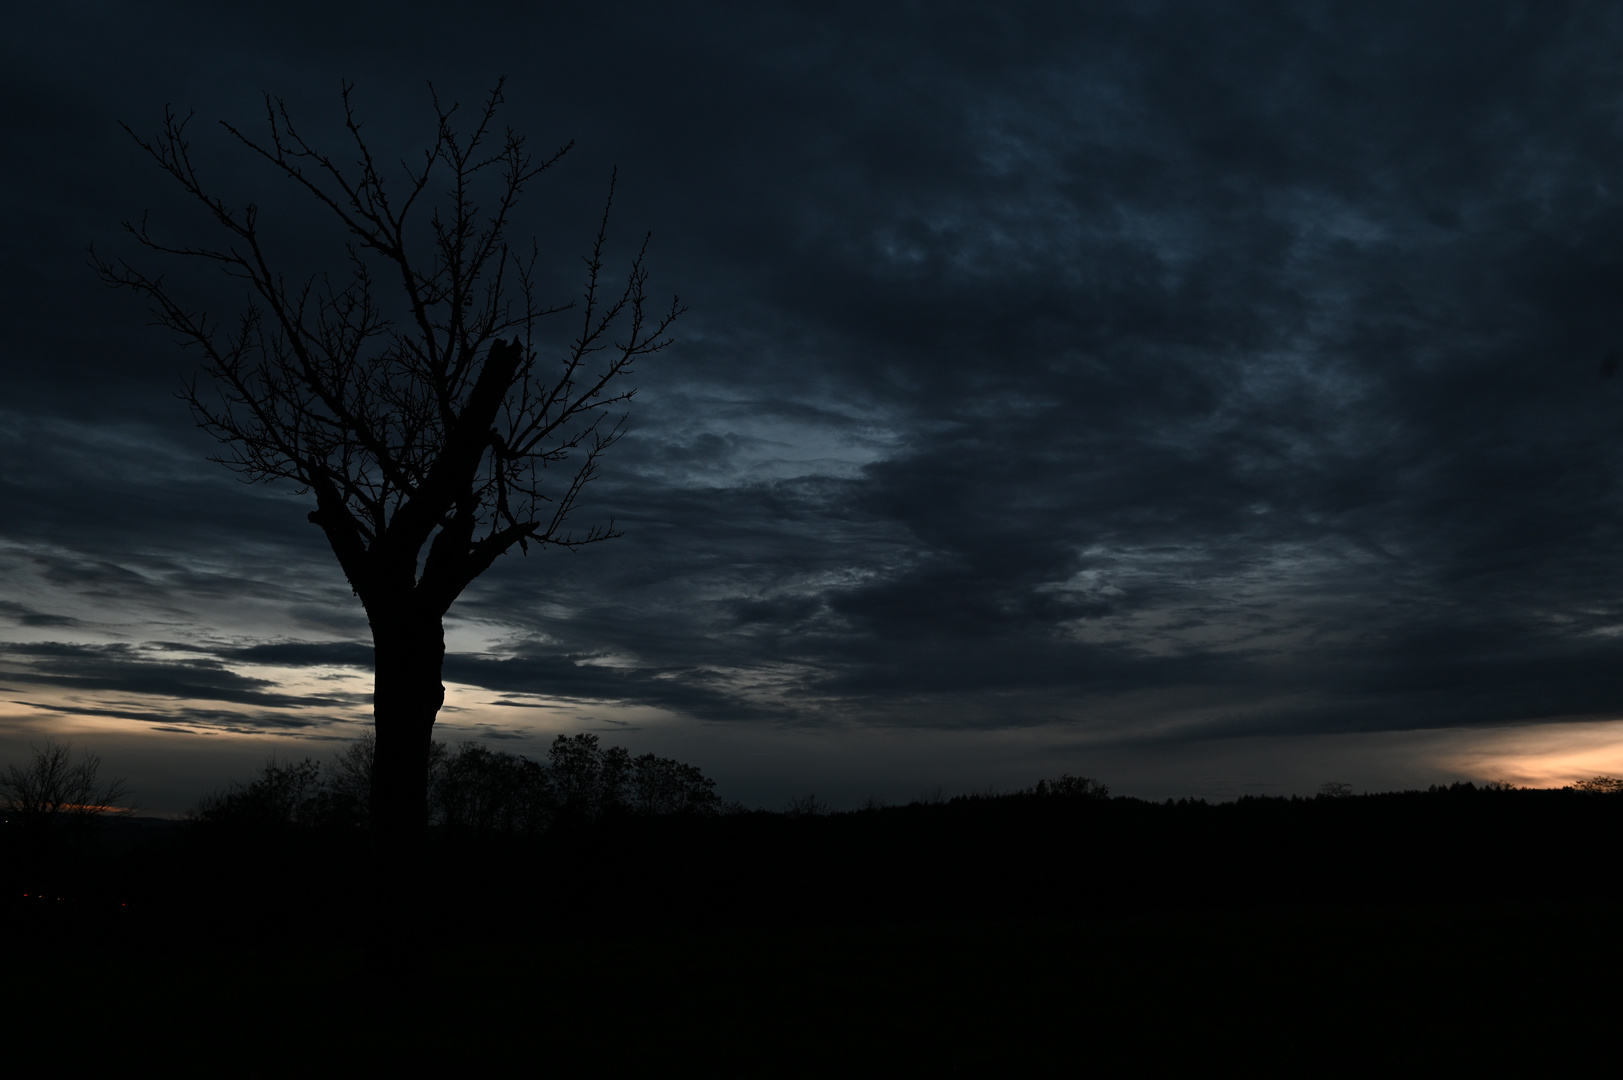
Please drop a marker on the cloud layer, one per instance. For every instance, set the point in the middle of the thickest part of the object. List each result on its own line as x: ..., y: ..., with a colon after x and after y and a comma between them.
x: 1160, y: 371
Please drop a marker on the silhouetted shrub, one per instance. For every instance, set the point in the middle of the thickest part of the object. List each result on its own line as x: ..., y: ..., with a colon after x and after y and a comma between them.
x: 479, y: 790
x: 53, y: 791
x: 282, y: 795
x: 51, y: 804
x: 664, y: 786
x: 1069, y: 787
x: 345, y: 795
x: 807, y: 806
x: 484, y: 790
x: 590, y: 781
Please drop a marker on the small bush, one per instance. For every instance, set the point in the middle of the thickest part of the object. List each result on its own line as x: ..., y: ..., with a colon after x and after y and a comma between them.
x: 1069, y: 787
x: 807, y: 806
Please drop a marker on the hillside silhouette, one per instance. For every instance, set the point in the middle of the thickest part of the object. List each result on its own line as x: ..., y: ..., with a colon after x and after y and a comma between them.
x: 969, y: 933
x: 593, y: 830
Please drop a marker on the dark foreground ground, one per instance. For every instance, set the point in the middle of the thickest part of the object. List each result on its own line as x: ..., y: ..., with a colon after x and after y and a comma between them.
x: 1390, y: 934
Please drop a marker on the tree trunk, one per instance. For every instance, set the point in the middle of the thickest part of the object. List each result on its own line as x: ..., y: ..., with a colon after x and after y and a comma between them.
x: 406, y: 696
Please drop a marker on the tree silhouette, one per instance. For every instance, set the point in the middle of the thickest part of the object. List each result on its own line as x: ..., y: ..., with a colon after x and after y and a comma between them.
x: 53, y: 790
x: 408, y: 392
x: 284, y: 793
x: 50, y: 804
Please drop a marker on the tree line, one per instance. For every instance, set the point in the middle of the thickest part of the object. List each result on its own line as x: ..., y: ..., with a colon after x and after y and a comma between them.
x: 472, y: 789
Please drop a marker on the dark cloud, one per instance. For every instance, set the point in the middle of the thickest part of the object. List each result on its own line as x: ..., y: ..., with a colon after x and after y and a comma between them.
x: 123, y: 669
x: 692, y: 691
x: 27, y: 616
x: 217, y: 720
x: 303, y: 654
x: 1170, y: 369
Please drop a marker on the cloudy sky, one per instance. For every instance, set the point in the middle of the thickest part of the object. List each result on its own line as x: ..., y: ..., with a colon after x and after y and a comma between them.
x: 1208, y: 398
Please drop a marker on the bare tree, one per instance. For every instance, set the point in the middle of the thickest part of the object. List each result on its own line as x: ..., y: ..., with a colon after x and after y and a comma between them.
x: 409, y: 392
x: 54, y: 790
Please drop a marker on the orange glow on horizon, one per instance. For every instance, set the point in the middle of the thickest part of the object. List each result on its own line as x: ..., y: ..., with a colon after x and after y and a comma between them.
x: 1552, y: 755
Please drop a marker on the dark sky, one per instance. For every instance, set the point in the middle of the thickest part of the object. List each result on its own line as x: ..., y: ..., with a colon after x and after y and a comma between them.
x: 1205, y: 397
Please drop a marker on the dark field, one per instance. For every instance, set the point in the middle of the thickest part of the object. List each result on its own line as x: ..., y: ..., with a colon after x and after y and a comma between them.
x: 1382, y: 933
